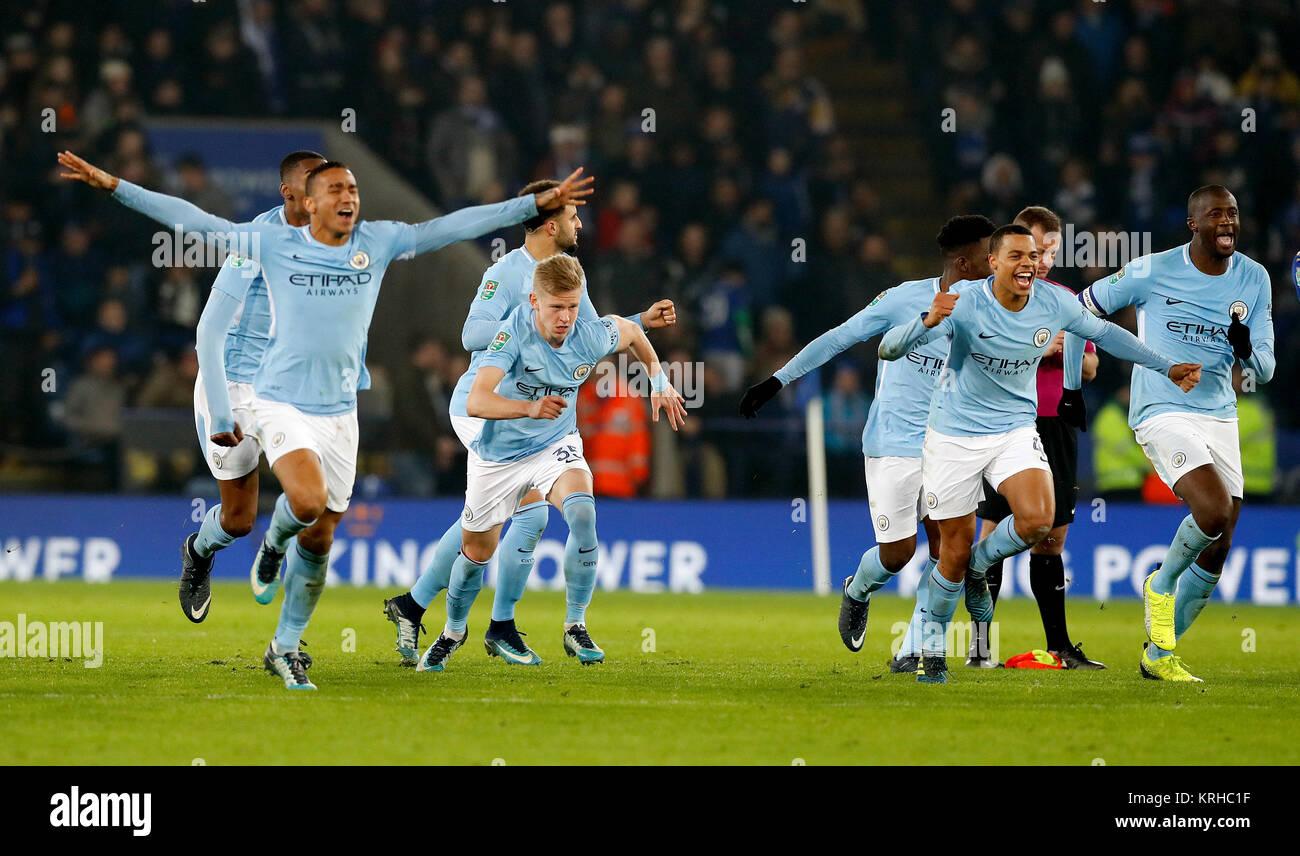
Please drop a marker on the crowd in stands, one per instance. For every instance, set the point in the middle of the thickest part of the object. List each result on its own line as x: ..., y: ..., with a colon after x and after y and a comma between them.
x: 716, y: 146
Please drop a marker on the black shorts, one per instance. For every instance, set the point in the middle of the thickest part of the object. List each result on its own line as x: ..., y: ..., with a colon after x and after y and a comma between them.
x: 1062, y: 447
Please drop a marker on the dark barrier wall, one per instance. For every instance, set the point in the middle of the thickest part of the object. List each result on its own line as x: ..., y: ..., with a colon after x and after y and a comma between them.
x: 645, y: 546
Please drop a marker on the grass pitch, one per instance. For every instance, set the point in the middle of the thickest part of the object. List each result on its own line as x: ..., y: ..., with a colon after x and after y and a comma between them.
x: 734, y: 678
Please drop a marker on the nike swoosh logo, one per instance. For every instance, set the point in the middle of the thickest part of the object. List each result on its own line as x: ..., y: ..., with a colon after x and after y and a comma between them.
x: 989, y: 336
x: 539, y: 368
x: 1060, y: 588
x: 199, y: 614
x: 588, y: 550
x: 857, y: 643
x: 1169, y: 301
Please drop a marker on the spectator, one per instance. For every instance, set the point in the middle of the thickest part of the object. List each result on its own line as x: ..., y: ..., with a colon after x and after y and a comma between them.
x: 171, y: 383
x: 194, y: 186
x: 469, y: 150
x: 92, y: 410
x: 420, y: 406
x: 845, y: 413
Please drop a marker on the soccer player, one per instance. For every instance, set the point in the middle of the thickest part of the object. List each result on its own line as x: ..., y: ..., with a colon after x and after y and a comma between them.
x: 1208, y: 302
x: 1061, y: 444
x: 323, y: 280
x: 895, y: 429
x: 505, y: 285
x: 981, y: 422
x: 235, y: 469
x: 542, y: 352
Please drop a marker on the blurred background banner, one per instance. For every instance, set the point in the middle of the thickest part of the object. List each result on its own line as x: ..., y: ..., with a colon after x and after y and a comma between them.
x: 724, y: 544
x: 240, y: 158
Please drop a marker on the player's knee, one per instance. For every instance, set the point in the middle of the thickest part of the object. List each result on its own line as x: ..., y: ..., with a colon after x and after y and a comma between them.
x: 1212, y: 519
x: 316, y: 542
x: 479, y: 553
x: 896, y: 555
x: 580, y: 514
x: 308, y: 505
x: 533, y: 522
x: 238, y: 523
x: 1034, y: 525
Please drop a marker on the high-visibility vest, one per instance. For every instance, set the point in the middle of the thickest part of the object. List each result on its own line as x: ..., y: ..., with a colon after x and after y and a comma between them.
x: 1118, y: 462
x: 615, y: 439
x: 1258, y: 444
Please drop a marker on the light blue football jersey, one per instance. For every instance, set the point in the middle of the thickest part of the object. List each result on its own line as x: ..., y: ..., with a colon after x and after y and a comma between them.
x: 250, y: 332
x: 534, y: 369
x: 990, y: 385
x: 1185, y: 314
x: 322, y: 297
x: 897, y: 418
x: 505, y: 285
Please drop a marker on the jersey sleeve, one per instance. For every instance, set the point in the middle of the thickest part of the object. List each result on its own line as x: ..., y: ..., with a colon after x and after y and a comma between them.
x: 503, y: 351
x: 485, y: 312
x: 236, y: 274
x: 605, y: 339
x: 461, y: 225
x: 249, y: 238
x: 874, y: 318
x: 1122, y: 288
x: 1112, y: 339
x: 210, y: 339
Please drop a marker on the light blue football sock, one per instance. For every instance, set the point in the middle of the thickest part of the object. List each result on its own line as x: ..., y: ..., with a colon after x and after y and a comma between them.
x: 211, y: 536
x: 1188, y: 543
x: 581, y: 552
x: 304, y: 579
x: 1194, y: 590
x: 911, y: 644
x: 437, y: 576
x: 466, y: 581
x: 284, y: 525
x: 515, y: 558
x: 1001, y: 543
x: 871, y: 575
x: 939, y: 608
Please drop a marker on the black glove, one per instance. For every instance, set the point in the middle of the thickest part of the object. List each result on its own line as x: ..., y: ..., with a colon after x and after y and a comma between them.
x: 758, y: 395
x: 1239, y: 338
x: 1072, y: 410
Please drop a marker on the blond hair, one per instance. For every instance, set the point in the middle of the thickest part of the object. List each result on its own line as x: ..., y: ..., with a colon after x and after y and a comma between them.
x: 557, y: 275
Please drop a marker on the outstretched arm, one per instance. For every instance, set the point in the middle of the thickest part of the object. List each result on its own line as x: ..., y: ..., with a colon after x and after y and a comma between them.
x: 481, y: 219
x: 170, y: 211
x: 470, y: 223
x: 1116, y: 340
x: 662, y: 393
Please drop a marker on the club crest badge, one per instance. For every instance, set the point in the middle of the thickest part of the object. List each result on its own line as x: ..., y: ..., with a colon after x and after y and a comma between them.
x: 360, y: 261
x: 1239, y: 310
x: 1041, y: 337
